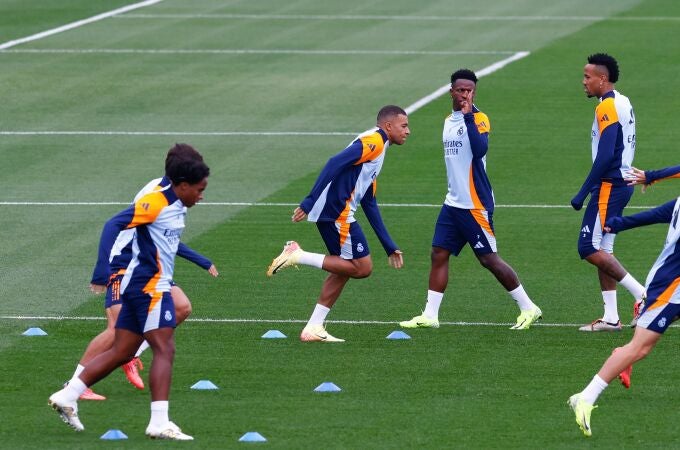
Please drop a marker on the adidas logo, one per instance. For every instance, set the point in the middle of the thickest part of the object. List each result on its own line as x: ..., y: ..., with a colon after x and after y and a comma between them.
x: 585, y: 229
x: 479, y: 245
x: 605, y: 118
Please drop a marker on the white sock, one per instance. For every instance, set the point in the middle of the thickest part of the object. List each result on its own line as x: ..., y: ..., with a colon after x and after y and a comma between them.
x: 312, y: 259
x: 141, y: 348
x: 79, y: 370
x: 159, y: 414
x: 593, y: 390
x: 520, y: 296
x: 434, y: 300
x: 319, y: 315
x: 72, y: 390
x: 633, y: 287
x: 611, y: 311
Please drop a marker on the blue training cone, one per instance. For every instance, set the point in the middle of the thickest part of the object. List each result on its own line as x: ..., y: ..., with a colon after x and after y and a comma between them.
x: 204, y: 384
x: 398, y: 335
x: 274, y: 334
x: 252, y: 436
x: 113, y: 435
x: 34, y: 332
x: 327, y: 387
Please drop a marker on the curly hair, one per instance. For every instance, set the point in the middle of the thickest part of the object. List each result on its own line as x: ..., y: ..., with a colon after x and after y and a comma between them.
x: 603, y: 59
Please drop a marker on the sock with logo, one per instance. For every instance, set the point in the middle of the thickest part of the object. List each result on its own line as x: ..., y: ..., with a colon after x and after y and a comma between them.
x: 434, y: 301
x: 318, y: 315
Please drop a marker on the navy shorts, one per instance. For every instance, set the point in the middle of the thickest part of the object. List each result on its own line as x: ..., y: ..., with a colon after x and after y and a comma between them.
x: 606, y: 201
x: 345, y: 240
x: 146, y: 312
x: 456, y: 227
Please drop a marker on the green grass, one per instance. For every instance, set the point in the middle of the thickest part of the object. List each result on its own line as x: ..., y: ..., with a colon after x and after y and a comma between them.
x: 462, y: 386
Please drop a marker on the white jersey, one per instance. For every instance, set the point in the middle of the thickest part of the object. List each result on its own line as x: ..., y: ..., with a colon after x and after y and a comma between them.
x: 615, y: 110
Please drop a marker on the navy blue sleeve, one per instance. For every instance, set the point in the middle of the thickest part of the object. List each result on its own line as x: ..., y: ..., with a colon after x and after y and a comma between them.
x: 191, y: 255
x: 370, y: 207
x: 102, y: 269
x: 479, y: 142
x: 655, y: 175
x: 603, y: 160
x: 333, y: 167
x: 660, y: 214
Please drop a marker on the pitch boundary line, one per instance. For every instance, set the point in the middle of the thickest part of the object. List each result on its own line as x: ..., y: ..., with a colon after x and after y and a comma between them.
x: 393, y: 17
x: 293, y: 321
x: 78, y: 23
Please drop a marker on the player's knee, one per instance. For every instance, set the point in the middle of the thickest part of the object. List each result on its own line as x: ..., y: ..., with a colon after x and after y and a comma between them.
x: 182, y: 311
x: 439, y: 256
x: 363, y: 268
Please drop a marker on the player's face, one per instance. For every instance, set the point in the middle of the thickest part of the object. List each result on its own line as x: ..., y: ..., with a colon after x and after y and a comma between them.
x: 462, y: 90
x: 592, y: 81
x: 190, y: 194
x: 397, y: 129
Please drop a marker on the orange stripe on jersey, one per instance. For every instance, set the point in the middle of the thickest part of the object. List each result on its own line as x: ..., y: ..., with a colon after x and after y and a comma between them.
x: 606, y: 114
x: 481, y: 220
x: 148, y: 208
x: 150, y: 286
x: 342, y: 220
x: 482, y: 122
x: 373, y: 146
x: 665, y: 296
x: 473, y: 192
x: 603, y: 201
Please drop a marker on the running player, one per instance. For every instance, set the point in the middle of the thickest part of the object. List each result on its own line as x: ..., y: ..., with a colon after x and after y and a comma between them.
x: 466, y: 216
x: 661, y: 308
x: 613, y: 148
x: 347, y: 180
x: 148, y: 311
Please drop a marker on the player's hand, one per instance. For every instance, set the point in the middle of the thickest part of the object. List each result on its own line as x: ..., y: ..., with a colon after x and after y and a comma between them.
x: 212, y: 270
x: 97, y: 288
x: 298, y: 215
x: 637, y: 176
x: 466, y: 104
x: 396, y: 259
x: 576, y: 204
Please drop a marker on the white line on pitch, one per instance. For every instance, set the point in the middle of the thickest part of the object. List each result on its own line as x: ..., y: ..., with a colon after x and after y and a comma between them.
x: 252, y: 51
x: 368, y: 17
x: 241, y: 320
x: 79, y: 23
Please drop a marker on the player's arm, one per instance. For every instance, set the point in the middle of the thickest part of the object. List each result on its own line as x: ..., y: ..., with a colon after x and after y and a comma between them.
x: 142, y: 212
x: 660, y: 214
x: 348, y: 157
x: 372, y: 211
x: 648, y: 177
x: 192, y: 255
x: 479, y: 137
x: 603, y: 161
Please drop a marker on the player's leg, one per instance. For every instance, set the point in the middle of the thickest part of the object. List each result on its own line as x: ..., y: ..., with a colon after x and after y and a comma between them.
x: 65, y: 400
x: 446, y: 240
x: 349, y: 257
x: 182, y: 311
x: 104, y: 340
x: 597, y: 248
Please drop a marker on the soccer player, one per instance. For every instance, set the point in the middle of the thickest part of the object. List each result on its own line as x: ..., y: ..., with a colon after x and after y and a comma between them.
x: 148, y: 311
x: 347, y: 180
x: 613, y: 148
x: 466, y: 216
x: 110, y: 283
x: 661, y: 307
